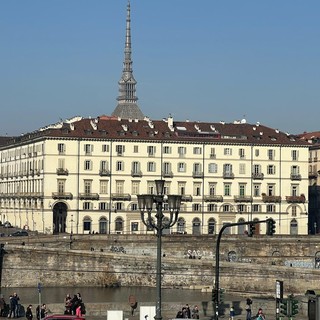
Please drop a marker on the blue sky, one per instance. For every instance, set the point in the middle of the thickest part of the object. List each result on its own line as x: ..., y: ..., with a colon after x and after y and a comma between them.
x: 202, y: 60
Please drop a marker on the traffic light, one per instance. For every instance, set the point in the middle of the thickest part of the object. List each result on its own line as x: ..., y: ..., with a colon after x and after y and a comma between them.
x: 214, y: 295
x: 284, y: 304
x: 271, y: 227
x: 294, y: 307
x: 252, y: 229
x: 221, y: 295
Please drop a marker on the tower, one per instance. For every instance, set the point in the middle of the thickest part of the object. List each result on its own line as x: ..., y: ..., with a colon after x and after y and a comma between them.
x: 127, y: 100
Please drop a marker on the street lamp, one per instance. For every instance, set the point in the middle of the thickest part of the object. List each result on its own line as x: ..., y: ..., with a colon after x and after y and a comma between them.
x: 145, y: 203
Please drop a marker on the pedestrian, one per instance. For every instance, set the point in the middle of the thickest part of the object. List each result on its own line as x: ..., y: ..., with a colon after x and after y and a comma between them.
x: 232, y: 314
x: 78, y: 311
x: 29, y: 314
x: 2, y: 306
x: 195, y: 312
x: 260, y: 315
x: 248, y: 309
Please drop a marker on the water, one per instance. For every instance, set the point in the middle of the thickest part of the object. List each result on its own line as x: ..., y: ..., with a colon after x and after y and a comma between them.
x: 98, y: 295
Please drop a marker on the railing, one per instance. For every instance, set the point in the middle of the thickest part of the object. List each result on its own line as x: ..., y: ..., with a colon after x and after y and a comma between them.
x: 296, y: 199
x: 89, y: 196
x: 104, y: 172
x: 228, y: 175
x: 295, y: 176
x: 213, y: 198
x: 62, y: 195
x: 167, y: 174
x: 62, y: 172
x: 313, y: 174
x: 186, y: 198
x: 121, y: 196
x: 242, y: 198
x: 136, y: 173
x: 197, y: 174
x: 258, y: 176
x: 266, y: 198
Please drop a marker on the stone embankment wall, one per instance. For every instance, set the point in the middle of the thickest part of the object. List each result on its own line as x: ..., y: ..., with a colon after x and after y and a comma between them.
x: 250, y: 265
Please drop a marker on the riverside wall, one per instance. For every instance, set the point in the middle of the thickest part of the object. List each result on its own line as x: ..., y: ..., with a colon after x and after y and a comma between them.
x: 250, y: 265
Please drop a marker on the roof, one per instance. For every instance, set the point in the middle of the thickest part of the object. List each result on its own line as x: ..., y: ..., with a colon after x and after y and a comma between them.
x: 113, y: 128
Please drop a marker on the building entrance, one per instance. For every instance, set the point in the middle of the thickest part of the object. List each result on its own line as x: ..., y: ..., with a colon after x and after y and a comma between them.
x: 59, y: 217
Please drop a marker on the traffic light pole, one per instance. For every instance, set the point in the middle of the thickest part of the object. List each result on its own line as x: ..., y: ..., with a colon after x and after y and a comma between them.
x: 216, y: 292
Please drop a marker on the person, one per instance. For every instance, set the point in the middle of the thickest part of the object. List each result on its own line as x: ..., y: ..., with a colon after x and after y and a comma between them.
x: 2, y: 306
x: 260, y: 315
x: 78, y: 311
x: 179, y: 315
x: 17, y: 304
x: 13, y: 304
x: 195, y: 312
x: 29, y: 314
x: 248, y: 309
x: 188, y: 311
x: 232, y: 313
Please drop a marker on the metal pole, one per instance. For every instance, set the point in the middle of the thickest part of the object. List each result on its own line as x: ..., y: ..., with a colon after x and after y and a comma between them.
x: 158, y: 280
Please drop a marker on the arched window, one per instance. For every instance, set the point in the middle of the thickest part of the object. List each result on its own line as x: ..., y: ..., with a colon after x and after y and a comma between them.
x: 87, y: 223
x: 196, y: 226
x: 242, y: 228
x: 181, y: 224
x: 119, y: 225
x: 293, y: 227
x: 211, y: 226
x: 103, y: 222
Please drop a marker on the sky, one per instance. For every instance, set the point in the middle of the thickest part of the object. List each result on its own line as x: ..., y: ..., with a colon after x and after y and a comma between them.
x: 201, y: 60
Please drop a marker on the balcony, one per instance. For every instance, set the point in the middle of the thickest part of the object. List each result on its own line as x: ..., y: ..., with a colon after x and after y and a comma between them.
x: 121, y: 196
x: 197, y: 174
x: 228, y: 175
x: 295, y: 176
x: 167, y: 174
x: 104, y: 173
x: 313, y: 175
x: 242, y: 198
x: 213, y: 198
x: 136, y: 173
x: 62, y: 172
x: 269, y: 199
x: 62, y: 196
x: 258, y: 176
x: 89, y: 196
x: 186, y: 198
x: 296, y: 199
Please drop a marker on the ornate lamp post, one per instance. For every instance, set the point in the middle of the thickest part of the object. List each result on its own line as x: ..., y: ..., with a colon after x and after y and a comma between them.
x: 158, y: 223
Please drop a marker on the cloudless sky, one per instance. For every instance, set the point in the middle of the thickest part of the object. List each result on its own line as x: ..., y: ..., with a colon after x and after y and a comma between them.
x: 202, y: 60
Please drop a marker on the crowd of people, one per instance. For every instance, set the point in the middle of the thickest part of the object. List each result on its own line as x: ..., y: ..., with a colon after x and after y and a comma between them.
x: 74, y: 305
x: 187, y: 313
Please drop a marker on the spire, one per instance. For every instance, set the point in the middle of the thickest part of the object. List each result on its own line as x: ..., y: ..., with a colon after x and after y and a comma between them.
x: 127, y: 100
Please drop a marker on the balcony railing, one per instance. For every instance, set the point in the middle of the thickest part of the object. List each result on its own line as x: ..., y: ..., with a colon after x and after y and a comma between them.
x: 276, y: 199
x: 89, y: 196
x: 258, y: 176
x: 136, y: 173
x: 296, y: 199
x: 104, y: 173
x: 295, y: 176
x: 313, y: 174
x: 167, y: 174
x: 121, y: 196
x: 62, y: 172
x: 228, y: 175
x: 242, y: 198
x: 62, y: 195
x: 213, y: 198
x: 186, y: 198
x: 197, y: 174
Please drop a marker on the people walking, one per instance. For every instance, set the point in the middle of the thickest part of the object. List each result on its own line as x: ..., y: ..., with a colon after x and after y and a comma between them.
x: 260, y: 315
x: 29, y: 314
x: 248, y: 309
x: 195, y: 312
x: 232, y: 314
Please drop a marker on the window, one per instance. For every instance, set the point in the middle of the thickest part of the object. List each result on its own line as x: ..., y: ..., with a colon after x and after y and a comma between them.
x: 119, y: 187
x: 256, y: 208
x: 196, y: 207
x: 134, y: 226
x: 151, y: 166
x: 226, y: 208
x: 61, y: 148
x: 270, y: 189
x: 271, y: 169
x: 86, y: 224
x: 135, y: 167
x: 212, y: 189
x: 119, y: 225
x: 271, y: 208
x: 61, y: 163
x: 103, y: 186
x: 151, y: 150
x: 294, y: 190
x: 87, y: 206
x: 294, y: 170
x: 135, y: 187
x: 256, y: 190
x: 256, y: 152
x: 135, y: 149
x: 197, y: 189
x: 118, y: 206
x: 241, y: 153
x: 227, y: 189
x: 271, y: 154
x: 212, y: 207
x: 294, y: 155
x: 256, y: 168
x: 87, y: 165
x: 167, y: 168
x: 181, y: 188
x: 151, y: 187
x: 197, y: 150
x: 120, y: 150
x: 294, y: 211
x: 103, y: 206
x: 242, y: 168
x: 119, y: 166
x: 213, y: 168
x: 182, y: 151
x: 242, y: 208
x: 87, y: 186
x: 197, y: 168
x: 242, y: 189
x: 213, y: 153
x: 61, y: 186
x: 103, y: 226
x: 88, y: 149
x: 227, y: 169
x: 227, y: 151
x: 181, y: 167
x: 105, y: 148
x: 167, y: 150
x: 103, y: 165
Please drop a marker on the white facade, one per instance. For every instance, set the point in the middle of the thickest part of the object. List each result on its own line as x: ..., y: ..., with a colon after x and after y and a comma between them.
x: 71, y: 180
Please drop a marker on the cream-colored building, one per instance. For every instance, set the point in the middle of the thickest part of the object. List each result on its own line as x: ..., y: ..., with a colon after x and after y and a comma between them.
x: 84, y: 175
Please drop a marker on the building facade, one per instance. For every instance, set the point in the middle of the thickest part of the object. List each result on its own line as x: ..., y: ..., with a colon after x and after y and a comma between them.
x: 84, y: 175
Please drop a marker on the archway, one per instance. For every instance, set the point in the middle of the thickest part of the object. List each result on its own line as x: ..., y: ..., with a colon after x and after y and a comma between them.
x: 242, y: 228
x: 293, y: 227
x: 196, y: 226
x: 60, y: 212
